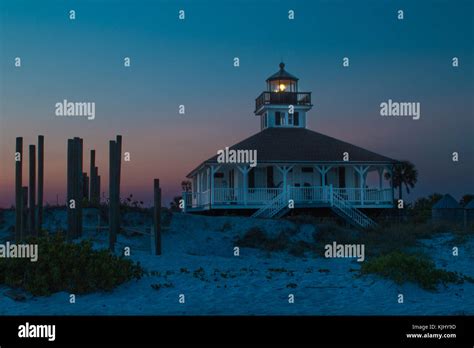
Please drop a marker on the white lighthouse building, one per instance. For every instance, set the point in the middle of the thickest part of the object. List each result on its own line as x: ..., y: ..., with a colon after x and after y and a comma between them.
x: 295, y: 166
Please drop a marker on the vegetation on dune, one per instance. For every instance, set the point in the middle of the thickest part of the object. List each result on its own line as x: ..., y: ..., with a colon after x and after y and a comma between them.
x: 420, y: 210
x: 384, y: 239
x: 186, y: 186
x: 401, y: 267
x: 256, y: 237
x: 62, y: 266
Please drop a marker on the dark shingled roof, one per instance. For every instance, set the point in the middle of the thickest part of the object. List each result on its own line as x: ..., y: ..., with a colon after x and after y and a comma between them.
x: 283, y: 145
x: 447, y: 202
x: 282, y: 74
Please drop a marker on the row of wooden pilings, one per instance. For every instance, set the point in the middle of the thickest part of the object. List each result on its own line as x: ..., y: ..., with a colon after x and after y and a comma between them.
x: 81, y: 188
x: 29, y: 215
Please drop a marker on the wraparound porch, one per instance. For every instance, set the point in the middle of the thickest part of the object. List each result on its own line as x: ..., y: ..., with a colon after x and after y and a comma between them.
x: 303, y: 197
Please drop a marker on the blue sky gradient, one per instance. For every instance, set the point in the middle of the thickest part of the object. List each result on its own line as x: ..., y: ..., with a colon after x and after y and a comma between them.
x: 190, y: 62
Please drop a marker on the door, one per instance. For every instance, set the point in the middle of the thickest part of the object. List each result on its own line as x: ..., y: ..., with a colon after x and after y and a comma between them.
x: 342, y: 176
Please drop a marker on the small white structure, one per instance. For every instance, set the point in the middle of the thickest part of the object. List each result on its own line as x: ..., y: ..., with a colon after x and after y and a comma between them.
x: 295, y: 166
x: 469, y: 212
x: 447, y: 209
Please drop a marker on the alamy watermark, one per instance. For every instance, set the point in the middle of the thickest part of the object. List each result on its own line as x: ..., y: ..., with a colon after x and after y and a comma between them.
x: 37, y: 331
x: 335, y: 250
x: 20, y: 251
x: 67, y: 108
x: 392, y: 108
x: 237, y: 156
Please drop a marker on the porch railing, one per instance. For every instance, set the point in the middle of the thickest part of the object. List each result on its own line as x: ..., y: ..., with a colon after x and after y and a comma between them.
x: 309, y: 194
x: 258, y: 195
x: 287, y: 98
x: 196, y: 199
x: 364, y: 196
x: 302, y: 195
x: 224, y: 195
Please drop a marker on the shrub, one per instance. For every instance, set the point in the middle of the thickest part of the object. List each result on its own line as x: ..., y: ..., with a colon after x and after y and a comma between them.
x: 299, y: 248
x: 327, y: 233
x: 420, y: 211
x: 381, y: 240
x: 62, y: 266
x: 158, y: 286
x: 227, y: 226
x: 255, y: 237
x: 401, y: 268
x: 385, y: 239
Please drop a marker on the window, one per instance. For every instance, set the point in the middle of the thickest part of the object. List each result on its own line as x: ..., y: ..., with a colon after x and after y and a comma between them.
x: 219, y: 175
x: 306, y: 169
x: 252, y: 178
x: 287, y: 119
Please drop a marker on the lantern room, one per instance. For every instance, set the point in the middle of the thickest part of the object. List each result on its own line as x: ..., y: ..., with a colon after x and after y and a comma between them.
x: 282, y: 81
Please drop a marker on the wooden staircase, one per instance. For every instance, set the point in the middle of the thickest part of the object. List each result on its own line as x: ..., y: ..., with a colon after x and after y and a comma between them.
x: 278, y: 207
x: 354, y: 216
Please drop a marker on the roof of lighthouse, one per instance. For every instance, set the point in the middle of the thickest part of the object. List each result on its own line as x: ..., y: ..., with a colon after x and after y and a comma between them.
x: 282, y: 74
x: 301, y: 145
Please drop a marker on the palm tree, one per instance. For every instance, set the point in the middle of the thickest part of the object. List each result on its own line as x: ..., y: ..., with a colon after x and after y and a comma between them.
x: 404, y: 173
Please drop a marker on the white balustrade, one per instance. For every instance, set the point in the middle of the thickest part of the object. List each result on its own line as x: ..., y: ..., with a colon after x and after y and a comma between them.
x: 302, y: 195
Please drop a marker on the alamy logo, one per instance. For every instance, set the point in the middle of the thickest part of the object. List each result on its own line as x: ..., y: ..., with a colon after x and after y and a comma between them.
x: 391, y: 108
x: 20, y: 251
x: 37, y: 331
x: 335, y: 250
x: 67, y: 108
x: 237, y: 156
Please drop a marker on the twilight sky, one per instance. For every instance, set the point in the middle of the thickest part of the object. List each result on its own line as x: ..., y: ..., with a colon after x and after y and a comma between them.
x: 190, y: 62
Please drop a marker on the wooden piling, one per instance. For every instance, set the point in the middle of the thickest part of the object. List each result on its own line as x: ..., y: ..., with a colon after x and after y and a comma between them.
x: 98, y: 188
x: 40, y: 180
x: 24, y: 212
x: 119, y: 171
x: 157, y: 216
x: 70, y: 188
x: 85, y: 186
x: 112, y: 193
x: 18, y: 189
x: 32, y: 191
x: 93, y: 186
x: 80, y: 185
x: 93, y: 181
x: 119, y: 159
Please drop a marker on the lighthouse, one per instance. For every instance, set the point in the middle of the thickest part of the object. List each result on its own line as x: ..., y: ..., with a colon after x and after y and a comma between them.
x: 293, y: 168
x: 282, y: 104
